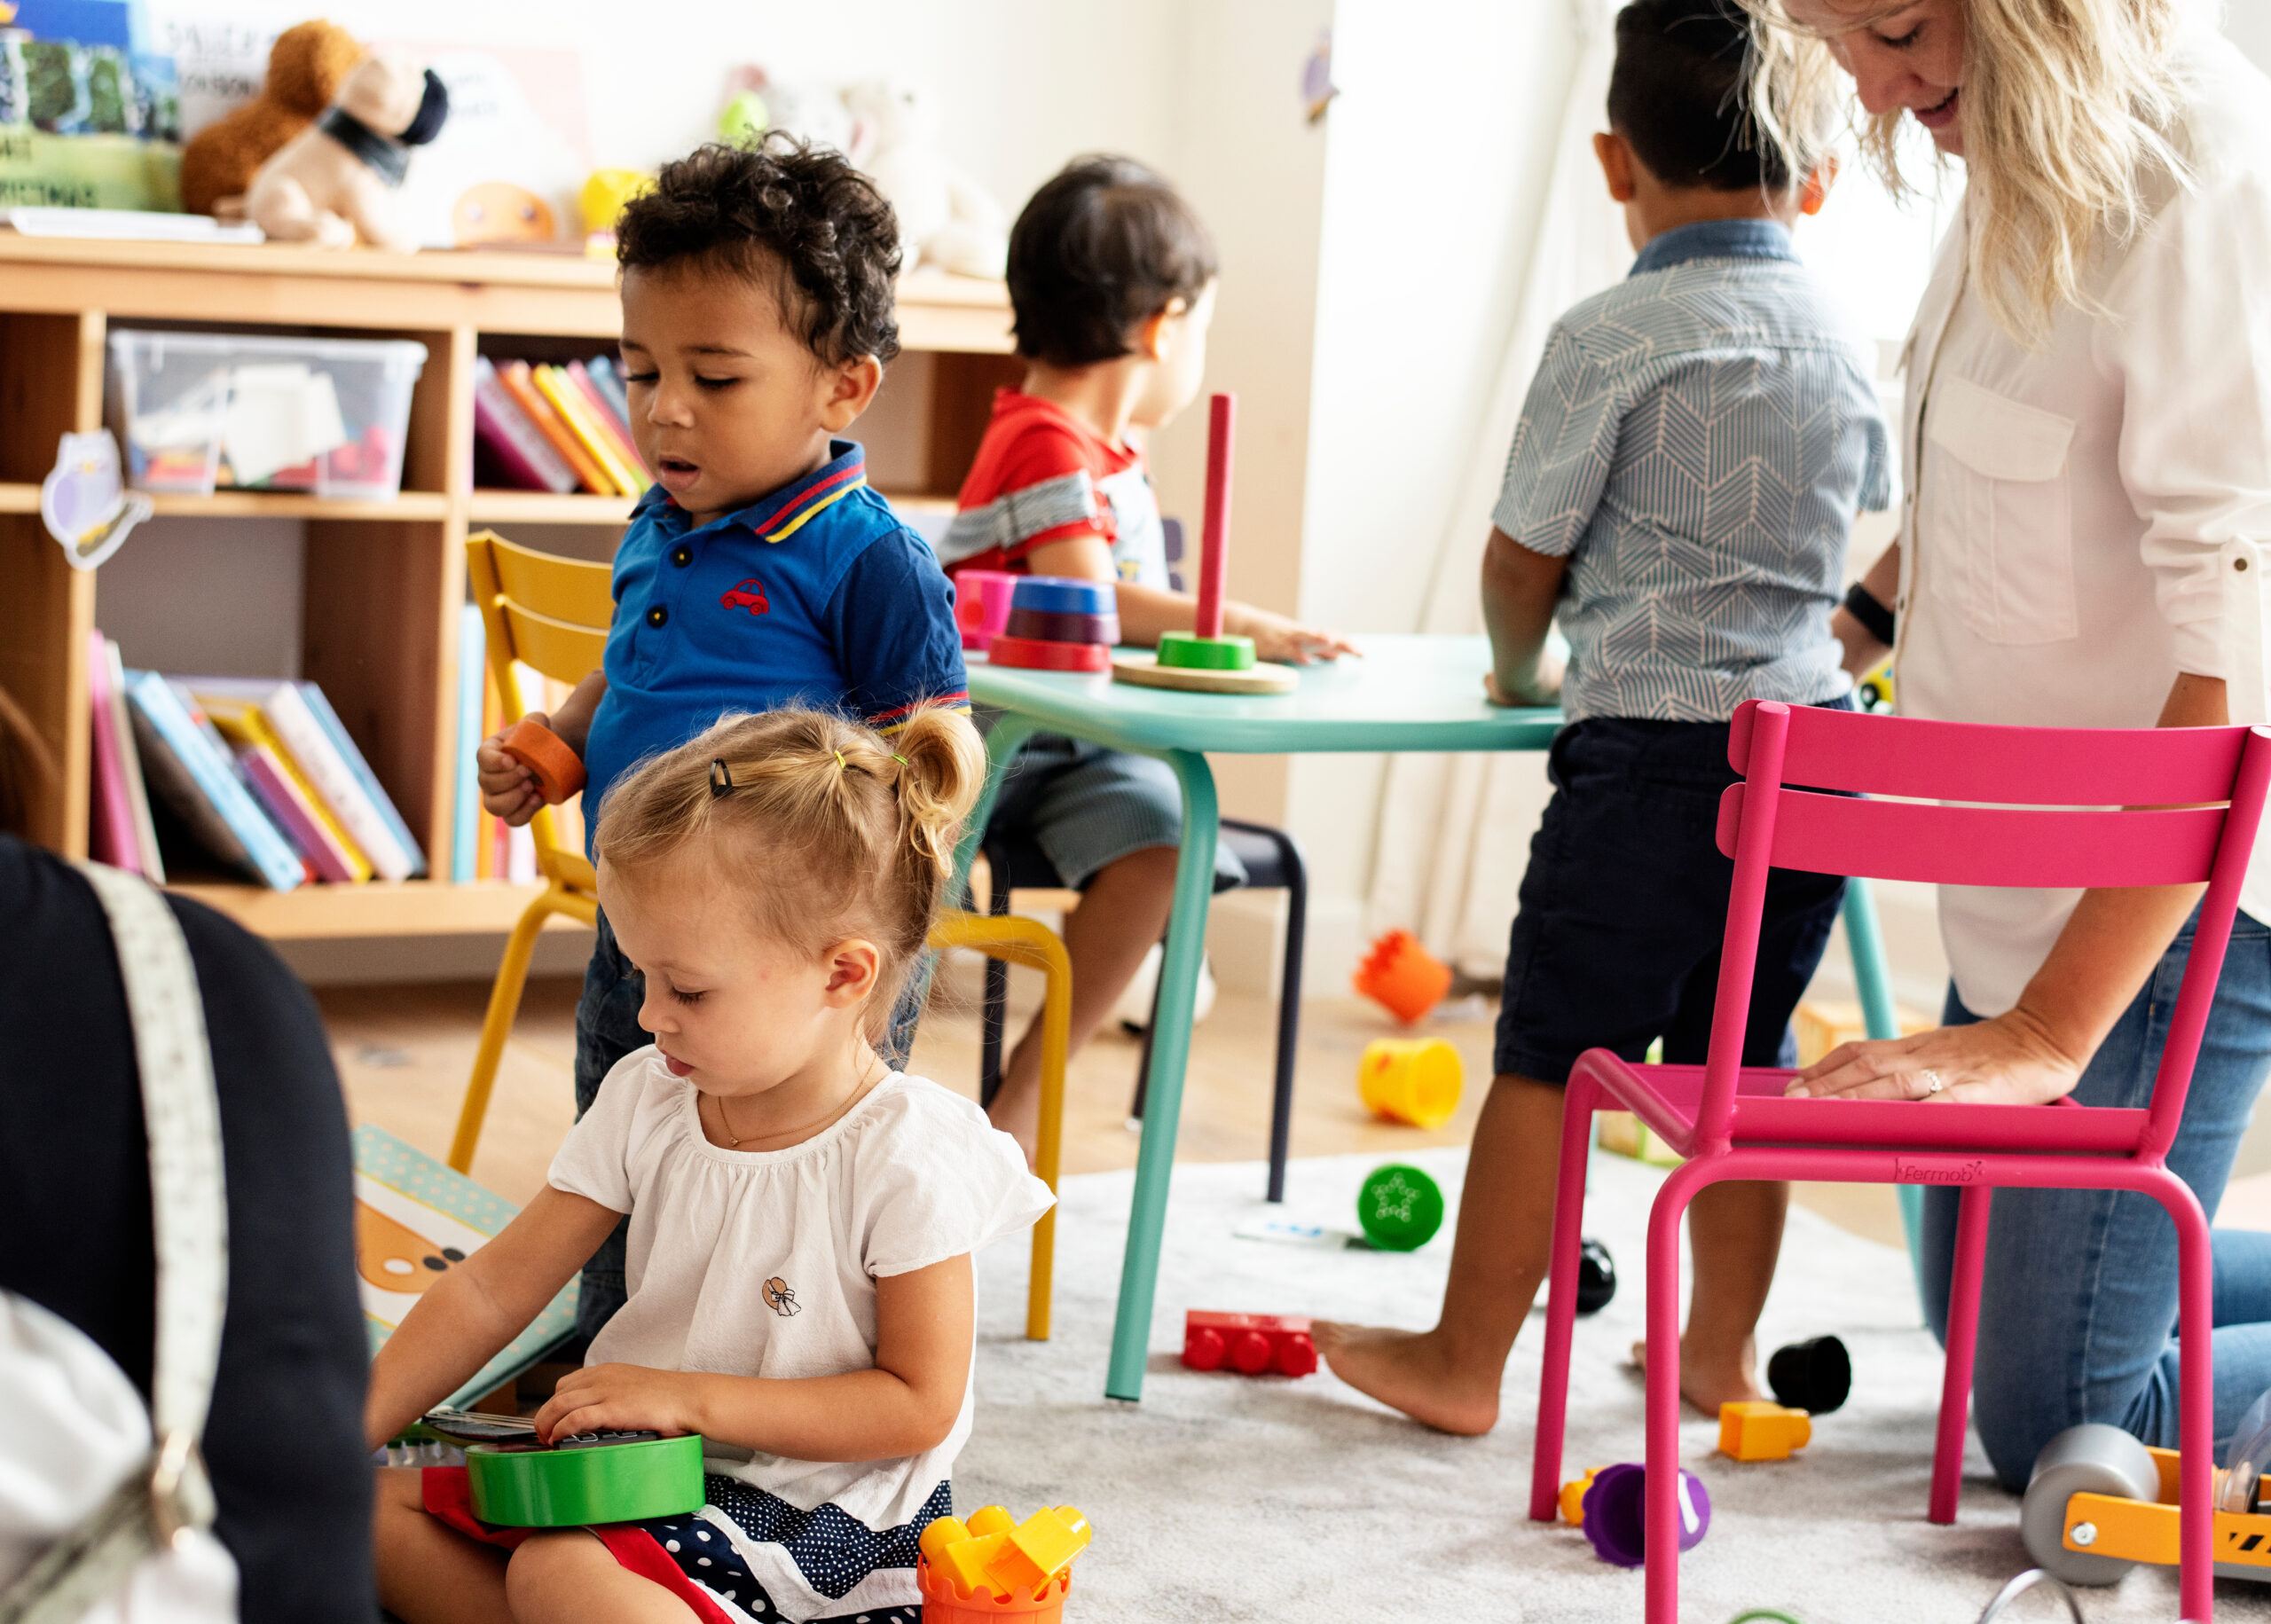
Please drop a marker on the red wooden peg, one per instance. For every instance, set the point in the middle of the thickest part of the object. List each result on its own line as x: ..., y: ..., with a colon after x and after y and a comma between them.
x: 1221, y: 430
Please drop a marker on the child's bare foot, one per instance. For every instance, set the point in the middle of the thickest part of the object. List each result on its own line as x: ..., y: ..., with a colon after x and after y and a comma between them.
x: 1707, y: 1380
x: 1415, y: 1372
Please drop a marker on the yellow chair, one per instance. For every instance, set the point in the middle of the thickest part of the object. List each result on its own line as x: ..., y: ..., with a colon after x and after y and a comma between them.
x: 551, y: 614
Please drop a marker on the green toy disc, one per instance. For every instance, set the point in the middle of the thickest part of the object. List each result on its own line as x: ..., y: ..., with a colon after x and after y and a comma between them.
x: 1400, y: 1207
x: 527, y: 1486
x: 1193, y: 652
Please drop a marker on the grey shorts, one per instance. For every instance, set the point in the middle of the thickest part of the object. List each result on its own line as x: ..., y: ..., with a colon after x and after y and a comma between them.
x: 1086, y: 807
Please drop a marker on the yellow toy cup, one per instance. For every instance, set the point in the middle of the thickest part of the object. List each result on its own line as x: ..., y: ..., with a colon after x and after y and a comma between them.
x: 1414, y: 1080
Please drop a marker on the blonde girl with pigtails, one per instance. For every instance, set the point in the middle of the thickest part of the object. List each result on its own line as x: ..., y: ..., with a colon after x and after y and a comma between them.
x: 802, y: 1217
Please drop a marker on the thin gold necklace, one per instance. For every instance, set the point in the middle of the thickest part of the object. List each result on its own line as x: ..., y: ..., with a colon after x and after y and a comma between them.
x: 725, y: 1123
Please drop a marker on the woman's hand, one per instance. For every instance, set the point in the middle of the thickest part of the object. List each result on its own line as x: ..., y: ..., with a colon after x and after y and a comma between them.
x: 1286, y: 641
x: 621, y: 1399
x: 2009, y: 1060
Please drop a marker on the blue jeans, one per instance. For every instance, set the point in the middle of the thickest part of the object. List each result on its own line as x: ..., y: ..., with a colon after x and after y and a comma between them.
x: 2077, y: 1305
x: 607, y: 1029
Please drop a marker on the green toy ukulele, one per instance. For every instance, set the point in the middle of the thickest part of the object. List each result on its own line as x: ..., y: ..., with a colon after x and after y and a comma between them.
x: 602, y: 1476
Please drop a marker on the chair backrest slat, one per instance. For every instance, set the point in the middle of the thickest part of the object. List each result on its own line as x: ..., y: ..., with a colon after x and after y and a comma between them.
x: 563, y: 652
x: 1980, y: 845
x: 565, y: 589
x: 1968, y: 761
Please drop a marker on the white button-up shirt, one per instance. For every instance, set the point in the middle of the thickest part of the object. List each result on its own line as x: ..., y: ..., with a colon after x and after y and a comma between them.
x: 2082, y: 518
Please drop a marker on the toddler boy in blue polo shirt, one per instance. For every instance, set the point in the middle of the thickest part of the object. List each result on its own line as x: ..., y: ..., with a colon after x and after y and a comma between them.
x: 1680, y: 493
x: 760, y: 570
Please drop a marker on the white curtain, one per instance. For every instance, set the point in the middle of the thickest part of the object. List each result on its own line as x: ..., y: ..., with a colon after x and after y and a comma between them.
x: 1454, y: 830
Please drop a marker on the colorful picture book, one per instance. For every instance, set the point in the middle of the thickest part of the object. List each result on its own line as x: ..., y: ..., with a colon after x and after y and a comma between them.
x: 415, y: 1219
x: 537, y: 427
x: 256, y: 775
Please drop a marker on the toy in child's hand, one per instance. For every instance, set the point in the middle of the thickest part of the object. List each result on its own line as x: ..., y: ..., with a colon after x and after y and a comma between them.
x: 1413, y: 1081
x: 1057, y: 624
x: 335, y: 182
x: 556, y: 770
x: 1596, y: 1276
x: 1814, y: 1375
x: 1202, y: 659
x: 994, y: 1564
x: 1256, y: 1343
x: 1753, y: 1429
x: 1402, y: 977
x: 1399, y: 1208
x: 587, y: 1477
x: 1611, y: 1508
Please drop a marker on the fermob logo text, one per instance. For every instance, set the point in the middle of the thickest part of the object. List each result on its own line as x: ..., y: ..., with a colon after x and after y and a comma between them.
x: 1937, y: 1170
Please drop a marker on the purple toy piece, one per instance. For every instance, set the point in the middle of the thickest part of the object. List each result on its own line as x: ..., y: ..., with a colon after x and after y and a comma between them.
x: 1614, y: 1515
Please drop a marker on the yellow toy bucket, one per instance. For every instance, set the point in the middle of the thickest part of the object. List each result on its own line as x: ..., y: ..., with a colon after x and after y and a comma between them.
x: 1410, y: 1080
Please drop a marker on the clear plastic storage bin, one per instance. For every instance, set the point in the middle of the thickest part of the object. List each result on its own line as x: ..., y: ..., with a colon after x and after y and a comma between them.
x: 198, y: 412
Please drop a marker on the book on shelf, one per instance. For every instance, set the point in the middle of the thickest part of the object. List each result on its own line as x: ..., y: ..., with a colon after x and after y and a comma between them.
x: 246, y: 725
x: 520, y: 383
x: 523, y: 457
x: 473, y: 662
x: 576, y: 411
x: 278, y: 791
x: 608, y: 377
x: 195, y: 776
x: 616, y: 430
x: 111, y: 833
x: 308, y: 752
x: 344, y: 743
x: 129, y: 753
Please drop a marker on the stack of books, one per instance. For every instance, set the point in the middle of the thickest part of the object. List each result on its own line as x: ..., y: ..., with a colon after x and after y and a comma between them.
x: 255, y: 773
x: 483, y: 846
x: 556, y: 429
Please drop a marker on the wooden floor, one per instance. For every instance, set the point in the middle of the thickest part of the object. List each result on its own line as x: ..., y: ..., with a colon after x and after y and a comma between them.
x: 404, y: 1052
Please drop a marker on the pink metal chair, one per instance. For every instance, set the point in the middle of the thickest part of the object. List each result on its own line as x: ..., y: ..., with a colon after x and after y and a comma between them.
x: 1733, y: 1122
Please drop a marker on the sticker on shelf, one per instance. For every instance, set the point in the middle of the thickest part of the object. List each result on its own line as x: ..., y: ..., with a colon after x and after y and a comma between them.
x: 84, y: 500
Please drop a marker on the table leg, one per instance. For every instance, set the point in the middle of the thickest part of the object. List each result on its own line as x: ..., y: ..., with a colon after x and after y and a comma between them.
x: 1194, y: 889
x: 1004, y: 740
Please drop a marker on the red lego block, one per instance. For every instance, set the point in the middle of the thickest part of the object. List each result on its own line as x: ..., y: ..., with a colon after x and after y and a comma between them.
x: 1251, y: 1343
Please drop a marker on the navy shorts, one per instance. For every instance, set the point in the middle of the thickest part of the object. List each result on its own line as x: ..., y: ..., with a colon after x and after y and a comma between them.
x: 1624, y: 904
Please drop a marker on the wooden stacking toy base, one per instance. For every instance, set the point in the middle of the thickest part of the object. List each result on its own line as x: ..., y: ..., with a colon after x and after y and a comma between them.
x: 1144, y: 670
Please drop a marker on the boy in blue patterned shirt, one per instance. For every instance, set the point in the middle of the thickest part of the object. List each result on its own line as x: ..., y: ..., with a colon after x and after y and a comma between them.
x: 1690, y: 460
x: 759, y: 570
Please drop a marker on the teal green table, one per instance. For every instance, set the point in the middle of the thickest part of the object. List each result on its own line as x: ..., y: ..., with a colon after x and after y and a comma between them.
x: 1405, y: 694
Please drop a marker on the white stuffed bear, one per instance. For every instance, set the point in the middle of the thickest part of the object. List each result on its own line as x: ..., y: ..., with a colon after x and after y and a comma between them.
x: 946, y: 219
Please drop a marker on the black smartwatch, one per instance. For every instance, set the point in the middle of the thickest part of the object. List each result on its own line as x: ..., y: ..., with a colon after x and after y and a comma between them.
x: 1876, y: 619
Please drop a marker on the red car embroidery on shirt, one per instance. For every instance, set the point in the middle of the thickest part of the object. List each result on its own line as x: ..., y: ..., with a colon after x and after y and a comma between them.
x: 748, y: 595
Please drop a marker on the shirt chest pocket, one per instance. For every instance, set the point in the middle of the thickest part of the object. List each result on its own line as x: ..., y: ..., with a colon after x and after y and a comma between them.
x: 1996, y: 516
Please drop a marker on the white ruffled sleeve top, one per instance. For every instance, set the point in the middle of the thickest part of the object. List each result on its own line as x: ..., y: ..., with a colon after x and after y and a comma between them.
x: 2082, y: 517
x: 765, y: 1263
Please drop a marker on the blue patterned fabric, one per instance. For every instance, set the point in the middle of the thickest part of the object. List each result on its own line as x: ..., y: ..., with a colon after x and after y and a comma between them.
x: 832, y: 1549
x: 1696, y: 442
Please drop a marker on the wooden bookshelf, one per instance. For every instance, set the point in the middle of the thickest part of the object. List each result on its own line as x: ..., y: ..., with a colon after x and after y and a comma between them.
x: 382, y: 581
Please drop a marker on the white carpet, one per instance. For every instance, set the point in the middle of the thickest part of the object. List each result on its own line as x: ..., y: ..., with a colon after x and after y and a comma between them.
x: 1228, y: 1498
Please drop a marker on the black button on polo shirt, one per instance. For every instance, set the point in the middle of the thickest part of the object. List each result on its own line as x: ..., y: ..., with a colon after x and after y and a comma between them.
x: 681, y: 556
x: 657, y: 615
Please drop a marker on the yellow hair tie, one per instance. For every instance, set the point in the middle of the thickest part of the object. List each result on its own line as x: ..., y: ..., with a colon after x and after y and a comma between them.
x: 898, y: 758
x: 839, y: 761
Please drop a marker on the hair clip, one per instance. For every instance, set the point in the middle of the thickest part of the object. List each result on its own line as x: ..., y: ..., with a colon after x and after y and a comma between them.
x: 898, y: 758
x: 721, y: 779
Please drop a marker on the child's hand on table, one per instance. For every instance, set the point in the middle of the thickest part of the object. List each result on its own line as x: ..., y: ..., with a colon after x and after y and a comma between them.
x: 508, y: 789
x: 1543, y: 689
x: 1286, y: 641
x: 623, y: 1399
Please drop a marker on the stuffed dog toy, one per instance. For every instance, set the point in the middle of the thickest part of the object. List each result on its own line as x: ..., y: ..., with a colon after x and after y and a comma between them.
x: 333, y: 184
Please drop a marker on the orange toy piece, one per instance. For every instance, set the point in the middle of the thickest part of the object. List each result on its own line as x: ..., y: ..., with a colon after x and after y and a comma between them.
x: 1414, y: 1080
x: 1402, y: 977
x: 1573, y: 1498
x: 558, y: 771
x: 1753, y: 1429
x: 994, y: 1565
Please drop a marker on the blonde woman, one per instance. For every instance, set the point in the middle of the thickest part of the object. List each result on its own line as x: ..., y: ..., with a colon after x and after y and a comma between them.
x: 2088, y: 441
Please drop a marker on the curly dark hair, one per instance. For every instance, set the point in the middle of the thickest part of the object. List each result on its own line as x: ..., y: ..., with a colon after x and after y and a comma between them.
x: 1104, y: 246
x: 795, y: 216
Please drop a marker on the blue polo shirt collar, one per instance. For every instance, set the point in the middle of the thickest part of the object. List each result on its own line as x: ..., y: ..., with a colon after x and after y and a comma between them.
x: 1745, y: 238
x: 780, y: 515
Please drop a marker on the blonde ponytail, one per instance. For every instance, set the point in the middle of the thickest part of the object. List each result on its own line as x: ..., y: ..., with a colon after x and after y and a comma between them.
x: 828, y: 829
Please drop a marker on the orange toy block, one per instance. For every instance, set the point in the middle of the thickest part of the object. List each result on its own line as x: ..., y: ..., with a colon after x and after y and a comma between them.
x: 1753, y: 1429
x: 1403, y: 977
x: 556, y: 769
x: 943, y: 1531
x: 1041, y: 1545
x: 969, y: 1562
x: 991, y: 1520
x: 1573, y: 1498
